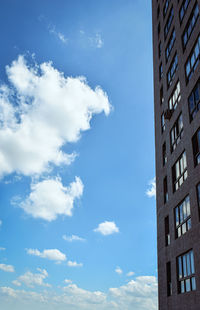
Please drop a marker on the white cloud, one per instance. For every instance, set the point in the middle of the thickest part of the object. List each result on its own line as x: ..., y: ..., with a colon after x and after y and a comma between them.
x: 107, y: 228
x: 73, y: 238
x: 118, y: 270
x: 138, y: 294
x: 74, y: 264
x: 7, y: 268
x: 50, y: 111
x: 49, y: 198
x: 59, y: 35
x: 151, y: 192
x: 130, y: 274
x: 0, y: 222
x: 32, y: 279
x: 51, y: 254
x: 2, y: 249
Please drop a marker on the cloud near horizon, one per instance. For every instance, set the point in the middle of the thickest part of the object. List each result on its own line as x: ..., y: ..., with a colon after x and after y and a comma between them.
x: 40, y: 111
x: 137, y: 294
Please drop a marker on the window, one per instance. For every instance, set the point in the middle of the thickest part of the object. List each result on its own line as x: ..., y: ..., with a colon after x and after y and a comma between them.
x: 158, y: 29
x: 186, y: 272
x: 179, y: 172
x: 196, y: 147
x: 159, y: 49
x: 176, y: 132
x: 161, y: 95
x: 162, y: 122
x: 193, y: 60
x: 183, y: 217
x: 194, y: 101
x: 170, y: 45
x: 164, y: 154
x: 198, y: 194
x: 165, y: 189
x: 167, y: 2
x: 168, y: 23
x: 169, y: 283
x: 190, y: 25
x: 172, y: 70
x: 167, y: 235
x: 175, y: 97
x: 158, y: 11
x: 183, y: 9
x: 160, y: 71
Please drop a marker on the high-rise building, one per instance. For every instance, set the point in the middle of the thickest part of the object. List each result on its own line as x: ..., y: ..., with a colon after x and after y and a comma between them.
x: 176, y: 53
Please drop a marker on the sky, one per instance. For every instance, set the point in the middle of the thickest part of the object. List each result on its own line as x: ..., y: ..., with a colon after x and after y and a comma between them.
x: 77, y: 187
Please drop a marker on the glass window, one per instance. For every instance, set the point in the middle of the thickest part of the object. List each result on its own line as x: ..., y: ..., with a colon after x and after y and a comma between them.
x: 194, y: 101
x: 162, y: 122
x: 176, y: 133
x: 186, y: 271
x: 182, y: 217
x: 179, y: 172
x: 183, y: 9
x: 193, y: 60
x: 196, y: 147
x: 170, y: 45
x: 168, y: 23
x: 190, y: 25
x: 175, y: 97
x: 172, y: 70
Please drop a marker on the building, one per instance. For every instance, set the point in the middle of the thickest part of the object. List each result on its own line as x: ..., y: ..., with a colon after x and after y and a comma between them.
x: 176, y: 54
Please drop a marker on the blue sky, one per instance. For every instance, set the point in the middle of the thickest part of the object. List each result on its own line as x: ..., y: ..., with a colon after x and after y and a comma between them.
x: 77, y: 218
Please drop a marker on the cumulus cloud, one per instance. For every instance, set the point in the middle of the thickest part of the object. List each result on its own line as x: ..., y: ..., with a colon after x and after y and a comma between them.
x: 138, y: 294
x: 51, y: 254
x: 73, y: 238
x: 40, y: 112
x: 130, y: 274
x: 74, y: 264
x: 151, y: 192
x: 7, y: 268
x: 32, y: 279
x: 49, y: 198
x: 107, y: 228
x: 118, y: 270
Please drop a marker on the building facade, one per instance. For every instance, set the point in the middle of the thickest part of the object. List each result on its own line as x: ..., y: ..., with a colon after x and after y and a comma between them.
x: 176, y: 53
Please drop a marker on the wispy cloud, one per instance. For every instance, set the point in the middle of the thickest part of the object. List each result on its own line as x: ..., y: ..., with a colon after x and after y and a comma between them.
x: 74, y: 264
x: 57, y: 34
x: 107, y: 228
x: 97, y: 41
x: 118, y: 270
x: 151, y: 192
x: 73, y: 238
x: 2, y: 249
x: 7, y: 268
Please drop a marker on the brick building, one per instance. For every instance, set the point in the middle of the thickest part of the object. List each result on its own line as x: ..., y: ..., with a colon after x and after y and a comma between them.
x: 176, y: 53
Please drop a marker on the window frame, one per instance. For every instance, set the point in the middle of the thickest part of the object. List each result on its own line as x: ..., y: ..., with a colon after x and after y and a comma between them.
x: 181, y: 163
x: 182, y: 217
